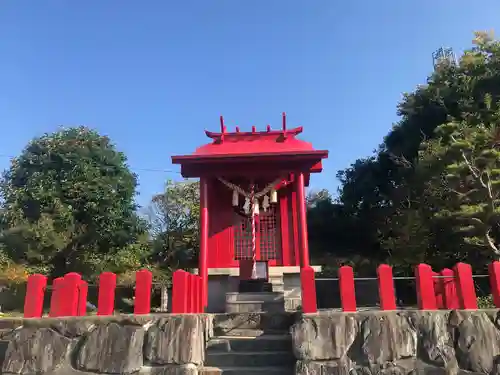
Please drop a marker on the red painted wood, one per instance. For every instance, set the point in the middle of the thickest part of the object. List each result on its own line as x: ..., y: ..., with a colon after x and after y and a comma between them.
x: 35, y: 291
x: 426, y: 294
x: 189, y: 289
x: 55, y: 298
x: 308, y: 285
x: 347, y: 289
x: 260, y: 155
x: 220, y: 239
x: 438, y: 290
x: 239, y: 144
x: 221, y: 234
x: 203, y: 256
x: 284, y: 226
x: 198, y: 296
x: 106, y: 296
x: 83, y: 289
x: 295, y: 224
x: 387, y: 294
x: 201, y: 305
x: 258, y: 168
x: 180, y: 292
x: 70, y: 294
x: 494, y: 272
x: 449, y: 289
x: 143, y: 284
x: 465, y: 286
x: 304, y: 241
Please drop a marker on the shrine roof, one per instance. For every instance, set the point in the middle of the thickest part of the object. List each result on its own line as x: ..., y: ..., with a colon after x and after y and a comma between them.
x: 274, y: 144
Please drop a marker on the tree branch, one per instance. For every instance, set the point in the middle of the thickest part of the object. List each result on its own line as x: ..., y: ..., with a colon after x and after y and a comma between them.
x: 491, y: 243
x: 470, y: 166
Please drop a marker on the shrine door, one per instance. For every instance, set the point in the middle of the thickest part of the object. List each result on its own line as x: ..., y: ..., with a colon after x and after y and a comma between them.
x: 267, y: 237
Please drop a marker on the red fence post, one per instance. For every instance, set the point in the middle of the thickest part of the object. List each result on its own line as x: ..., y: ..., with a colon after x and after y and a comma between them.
x: 106, y: 294
x: 386, y: 290
x: 143, y: 284
x: 347, y: 289
x: 308, y: 283
x: 494, y: 272
x: 449, y: 287
x: 465, y: 286
x: 83, y: 288
x: 426, y: 295
x: 55, y: 298
x: 179, y: 291
x: 70, y: 294
x: 199, y: 295
x: 438, y: 290
x: 197, y: 291
x: 190, y: 293
x: 35, y: 291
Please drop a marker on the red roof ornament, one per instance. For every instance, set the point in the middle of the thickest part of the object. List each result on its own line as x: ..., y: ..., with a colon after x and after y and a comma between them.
x: 269, y: 145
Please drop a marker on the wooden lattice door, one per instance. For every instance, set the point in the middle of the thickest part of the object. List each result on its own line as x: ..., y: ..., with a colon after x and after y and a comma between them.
x: 268, y: 241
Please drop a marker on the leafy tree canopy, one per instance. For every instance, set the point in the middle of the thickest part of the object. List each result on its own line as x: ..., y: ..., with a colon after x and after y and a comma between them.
x: 67, y: 197
x: 397, y: 203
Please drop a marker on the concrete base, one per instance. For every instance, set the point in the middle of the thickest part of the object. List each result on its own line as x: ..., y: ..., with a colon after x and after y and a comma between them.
x: 222, y: 281
x: 255, y: 302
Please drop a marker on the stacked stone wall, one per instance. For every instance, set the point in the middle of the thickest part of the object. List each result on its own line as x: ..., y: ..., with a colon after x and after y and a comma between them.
x: 161, y: 345
x: 398, y: 343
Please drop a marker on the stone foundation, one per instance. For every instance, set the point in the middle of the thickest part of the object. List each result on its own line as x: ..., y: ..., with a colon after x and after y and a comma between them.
x: 161, y: 345
x: 398, y: 343
x: 364, y: 343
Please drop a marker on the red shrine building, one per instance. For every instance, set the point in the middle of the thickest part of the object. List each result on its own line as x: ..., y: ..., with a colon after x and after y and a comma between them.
x: 253, y: 228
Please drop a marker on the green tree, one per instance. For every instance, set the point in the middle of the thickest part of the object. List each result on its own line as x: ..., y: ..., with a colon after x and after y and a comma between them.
x: 68, y: 197
x: 469, y: 155
x: 393, y: 199
x: 174, y: 222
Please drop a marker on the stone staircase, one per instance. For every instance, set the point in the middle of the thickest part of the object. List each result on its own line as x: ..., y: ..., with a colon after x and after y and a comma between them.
x: 250, y: 344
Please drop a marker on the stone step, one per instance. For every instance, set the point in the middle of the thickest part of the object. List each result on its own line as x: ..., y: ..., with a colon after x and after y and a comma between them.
x: 250, y: 343
x: 262, y: 296
x: 276, y: 322
x: 250, y: 332
x: 273, y: 370
x: 279, y: 287
x: 250, y: 359
x: 255, y: 306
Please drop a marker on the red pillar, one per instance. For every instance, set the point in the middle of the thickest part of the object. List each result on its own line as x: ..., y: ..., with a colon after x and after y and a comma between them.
x: 179, y: 291
x: 494, y: 271
x: 83, y: 288
x: 197, y: 292
x: 449, y: 288
x: 386, y: 291
x: 438, y: 290
x: 465, y: 286
x: 189, y: 288
x: 203, y: 257
x: 33, y: 301
x: 304, y: 244
x: 308, y: 284
x: 143, y: 284
x: 200, y: 295
x: 70, y: 295
x: 55, y: 298
x: 426, y: 295
x: 106, y: 297
x: 347, y: 289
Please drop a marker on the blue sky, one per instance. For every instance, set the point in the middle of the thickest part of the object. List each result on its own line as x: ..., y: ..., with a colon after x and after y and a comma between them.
x: 154, y: 74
